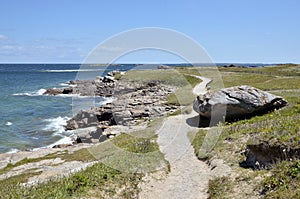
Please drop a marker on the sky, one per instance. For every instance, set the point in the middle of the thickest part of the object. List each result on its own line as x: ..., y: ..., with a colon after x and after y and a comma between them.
x: 230, y: 31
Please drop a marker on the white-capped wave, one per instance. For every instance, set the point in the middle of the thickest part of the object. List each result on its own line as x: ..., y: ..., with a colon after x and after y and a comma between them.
x: 72, y: 70
x: 34, y: 93
x: 71, y: 95
x: 13, y: 151
x: 64, y: 140
x: 106, y: 101
x: 8, y: 123
x: 64, y: 84
x: 56, y: 125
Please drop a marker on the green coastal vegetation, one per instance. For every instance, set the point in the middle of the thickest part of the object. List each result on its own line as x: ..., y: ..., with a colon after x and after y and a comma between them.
x: 180, y: 78
x: 100, y: 180
x: 280, y: 127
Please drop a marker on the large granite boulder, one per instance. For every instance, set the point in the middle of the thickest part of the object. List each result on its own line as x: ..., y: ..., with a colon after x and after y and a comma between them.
x: 236, y: 102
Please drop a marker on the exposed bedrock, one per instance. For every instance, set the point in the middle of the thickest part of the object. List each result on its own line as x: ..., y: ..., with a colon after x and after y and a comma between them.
x: 101, y: 86
x: 133, y: 103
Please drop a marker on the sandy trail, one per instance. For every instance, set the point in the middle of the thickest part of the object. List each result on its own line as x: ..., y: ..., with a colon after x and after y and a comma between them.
x: 188, y: 177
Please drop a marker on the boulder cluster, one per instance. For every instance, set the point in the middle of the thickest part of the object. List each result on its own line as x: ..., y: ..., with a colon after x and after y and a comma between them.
x: 133, y: 103
x: 100, y: 86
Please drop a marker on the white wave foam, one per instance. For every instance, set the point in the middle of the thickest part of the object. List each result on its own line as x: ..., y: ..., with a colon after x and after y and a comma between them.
x: 8, y: 123
x: 64, y: 140
x: 12, y: 151
x: 72, y: 70
x: 35, y: 93
x: 56, y: 125
x: 106, y: 101
x: 42, y: 91
x: 64, y: 84
x: 70, y: 95
x: 67, y: 85
x: 73, y: 95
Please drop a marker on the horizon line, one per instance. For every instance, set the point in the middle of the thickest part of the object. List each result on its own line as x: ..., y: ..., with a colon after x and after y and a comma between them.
x: 162, y: 63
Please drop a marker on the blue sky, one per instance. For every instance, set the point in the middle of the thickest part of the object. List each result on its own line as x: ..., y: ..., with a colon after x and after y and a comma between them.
x: 65, y: 31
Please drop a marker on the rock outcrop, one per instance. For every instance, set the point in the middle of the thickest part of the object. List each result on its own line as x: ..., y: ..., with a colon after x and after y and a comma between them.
x: 237, y: 102
x: 164, y: 67
x: 134, y: 102
x: 101, y: 86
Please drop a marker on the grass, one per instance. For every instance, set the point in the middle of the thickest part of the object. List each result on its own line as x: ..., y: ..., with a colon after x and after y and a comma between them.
x: 197, y: 141
x: 133, y: 152
x: 118, y: 76
x: 136, y: 144
x: 261, y: 81
x: 98, y: 180
x: 284, y: 181
x: 108, y: 179
x: 281, y: 126
x: 184, y: 96
x: 218, y: 186
x: 168, y: 77
x: 177, y: 77
x: 80, y: 155
x: 123, y: 159
x: 279, y: 70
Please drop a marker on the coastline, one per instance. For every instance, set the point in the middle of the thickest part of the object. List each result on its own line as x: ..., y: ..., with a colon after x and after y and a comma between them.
x: 149, y: 97
x: 223, y: 165
x: 82, y: 89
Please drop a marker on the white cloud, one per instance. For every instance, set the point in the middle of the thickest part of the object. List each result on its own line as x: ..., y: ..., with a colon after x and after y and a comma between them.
x: 111, y: 49
x: 11, y: 47
x: 43, y: 50
x: 2, y: 37
x: 41, y: 53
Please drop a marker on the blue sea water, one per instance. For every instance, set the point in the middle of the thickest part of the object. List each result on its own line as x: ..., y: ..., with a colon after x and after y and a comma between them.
x: 30, y: 120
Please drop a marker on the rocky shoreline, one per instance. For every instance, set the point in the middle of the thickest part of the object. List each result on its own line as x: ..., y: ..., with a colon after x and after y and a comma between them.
x: 134, y: 104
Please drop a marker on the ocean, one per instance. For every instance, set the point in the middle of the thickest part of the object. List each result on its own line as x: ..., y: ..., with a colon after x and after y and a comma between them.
x: 31, y: 120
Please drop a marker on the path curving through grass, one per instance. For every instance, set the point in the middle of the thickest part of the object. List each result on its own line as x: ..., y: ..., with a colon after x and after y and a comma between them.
x: 188, y: 177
